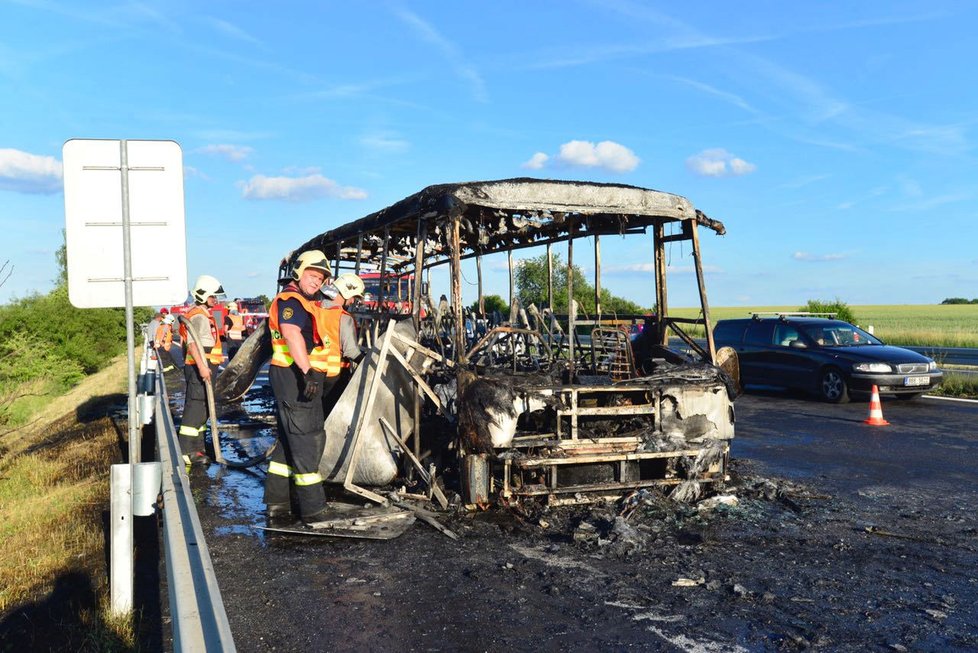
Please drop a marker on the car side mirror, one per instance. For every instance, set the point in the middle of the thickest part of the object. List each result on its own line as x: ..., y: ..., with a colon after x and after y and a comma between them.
x: 797, y: 344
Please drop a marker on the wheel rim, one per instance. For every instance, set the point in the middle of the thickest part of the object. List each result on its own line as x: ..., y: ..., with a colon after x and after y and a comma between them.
x: 832, y: 385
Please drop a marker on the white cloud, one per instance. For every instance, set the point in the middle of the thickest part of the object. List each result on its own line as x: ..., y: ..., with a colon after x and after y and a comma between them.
x: 606, y: 154
x: 233, y: 153
x: 717, y: 162
x: 808, y: 257
x: 384, y: 142
x: 585, y: 154
x: 536, y: 161
x: 23, y: 172
x: 298, y: 189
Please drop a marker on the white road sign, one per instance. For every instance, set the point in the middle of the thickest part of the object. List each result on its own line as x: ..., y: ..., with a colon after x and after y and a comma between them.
x: 95, y: 180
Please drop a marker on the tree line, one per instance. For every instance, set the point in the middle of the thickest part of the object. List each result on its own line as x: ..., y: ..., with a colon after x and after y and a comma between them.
x: 530, y: 282
x: 959, y: 300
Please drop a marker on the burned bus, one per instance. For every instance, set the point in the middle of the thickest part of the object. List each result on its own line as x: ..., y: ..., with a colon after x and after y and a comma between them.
x: 546, y: 404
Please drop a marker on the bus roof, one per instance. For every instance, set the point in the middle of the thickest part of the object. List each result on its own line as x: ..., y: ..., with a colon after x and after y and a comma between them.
x: 502, y: 215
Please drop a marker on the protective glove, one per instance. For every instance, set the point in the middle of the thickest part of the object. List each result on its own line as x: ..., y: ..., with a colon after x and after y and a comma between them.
x: 314, y: 383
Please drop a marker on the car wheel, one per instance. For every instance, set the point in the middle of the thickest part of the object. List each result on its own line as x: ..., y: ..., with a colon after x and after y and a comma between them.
x: 832, y: 386
x: 910, y: 396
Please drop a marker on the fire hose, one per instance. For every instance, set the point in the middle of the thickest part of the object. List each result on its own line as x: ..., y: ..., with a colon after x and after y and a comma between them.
x: 212, y: 411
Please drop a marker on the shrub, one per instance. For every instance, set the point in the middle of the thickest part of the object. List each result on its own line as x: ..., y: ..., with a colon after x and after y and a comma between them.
x: 30, y: 370
x: 88, y: 337
x: 492, y: 303
x: 839, y: 307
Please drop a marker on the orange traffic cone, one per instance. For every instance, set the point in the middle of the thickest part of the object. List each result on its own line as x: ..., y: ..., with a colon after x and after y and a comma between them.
x: 875, y: 410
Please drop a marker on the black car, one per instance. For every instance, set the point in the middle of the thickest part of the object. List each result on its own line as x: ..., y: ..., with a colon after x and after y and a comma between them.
x: 829, y: 357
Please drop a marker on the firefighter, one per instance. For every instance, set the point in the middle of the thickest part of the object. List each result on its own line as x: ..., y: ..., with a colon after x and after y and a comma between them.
x: 306, y: 361
x: 341, y: 329
x: 163, y: 341
x: 235, y: 328
x: 199, y: 367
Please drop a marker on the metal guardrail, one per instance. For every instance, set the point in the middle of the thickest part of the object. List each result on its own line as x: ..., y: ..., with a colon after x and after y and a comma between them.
x: 199, y: 620
x: 949, y: 355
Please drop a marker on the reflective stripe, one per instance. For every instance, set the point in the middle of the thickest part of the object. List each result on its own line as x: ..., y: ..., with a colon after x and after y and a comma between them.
x: 308, y: 479
x: 186, y: 458
x: 278, y: 469
x: 191, y: 431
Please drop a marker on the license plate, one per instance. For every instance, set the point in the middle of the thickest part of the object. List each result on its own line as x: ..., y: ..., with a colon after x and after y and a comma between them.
x: 916, y: 380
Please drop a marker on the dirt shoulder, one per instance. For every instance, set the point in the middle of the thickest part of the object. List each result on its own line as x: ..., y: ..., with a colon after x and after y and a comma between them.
x: 54, y: 483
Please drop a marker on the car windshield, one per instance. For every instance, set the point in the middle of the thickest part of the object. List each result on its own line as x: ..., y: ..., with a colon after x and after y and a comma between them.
x: 839, y: 335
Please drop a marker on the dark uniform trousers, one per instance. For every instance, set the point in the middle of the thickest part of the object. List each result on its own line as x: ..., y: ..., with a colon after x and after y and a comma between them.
x: 301, y: 443
x: 165, y: 359
x: 193, y: 424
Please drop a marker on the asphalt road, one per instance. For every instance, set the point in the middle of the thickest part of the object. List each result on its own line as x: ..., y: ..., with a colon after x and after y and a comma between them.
x: 846, y: 537
x: 929, y: 448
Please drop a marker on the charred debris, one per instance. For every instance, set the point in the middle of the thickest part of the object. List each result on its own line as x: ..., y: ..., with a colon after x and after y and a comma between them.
x: 550, y: 406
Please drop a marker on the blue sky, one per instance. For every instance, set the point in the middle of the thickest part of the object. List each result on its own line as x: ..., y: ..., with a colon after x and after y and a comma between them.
x: 835, y: 140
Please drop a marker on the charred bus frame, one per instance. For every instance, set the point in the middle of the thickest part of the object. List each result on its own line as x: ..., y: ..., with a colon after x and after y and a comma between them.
x: 449, y: 223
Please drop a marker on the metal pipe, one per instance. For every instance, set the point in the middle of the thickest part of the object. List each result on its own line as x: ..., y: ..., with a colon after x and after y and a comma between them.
x: 134, y: 448
x: 659, y: 256
x: 482, y: 300
x: 455, y: 246
x: 704, y: 305
x: 382, y: 295
x: 550, y: 278
x: 512, y: 289
x: 418, y: 272
x: 356, y: 267
x: 122, y: 585
x: 571, y: 313
x: 597, y: 277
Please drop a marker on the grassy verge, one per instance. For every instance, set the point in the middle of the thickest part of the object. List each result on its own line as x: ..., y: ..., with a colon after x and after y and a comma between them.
x: 964, y: 386
x: 53, y: 492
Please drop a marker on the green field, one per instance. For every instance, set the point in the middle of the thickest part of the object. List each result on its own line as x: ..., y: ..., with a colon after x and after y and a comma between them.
x: 939, y: 325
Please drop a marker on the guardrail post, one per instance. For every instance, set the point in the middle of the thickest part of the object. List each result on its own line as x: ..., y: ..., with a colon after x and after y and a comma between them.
x: 121, y: 557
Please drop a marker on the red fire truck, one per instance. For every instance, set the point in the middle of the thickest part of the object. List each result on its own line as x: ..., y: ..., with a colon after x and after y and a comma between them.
x: 397, y: 292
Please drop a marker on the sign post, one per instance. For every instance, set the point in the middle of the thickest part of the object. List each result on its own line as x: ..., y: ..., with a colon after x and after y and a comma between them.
x: 125, y: 241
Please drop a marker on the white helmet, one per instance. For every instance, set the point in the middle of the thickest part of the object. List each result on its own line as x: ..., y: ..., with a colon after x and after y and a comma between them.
x: 349, y: 285
x: 206, y: 286
x: 311, y: 260
x: 232, y: 306
x: 167, y: 319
